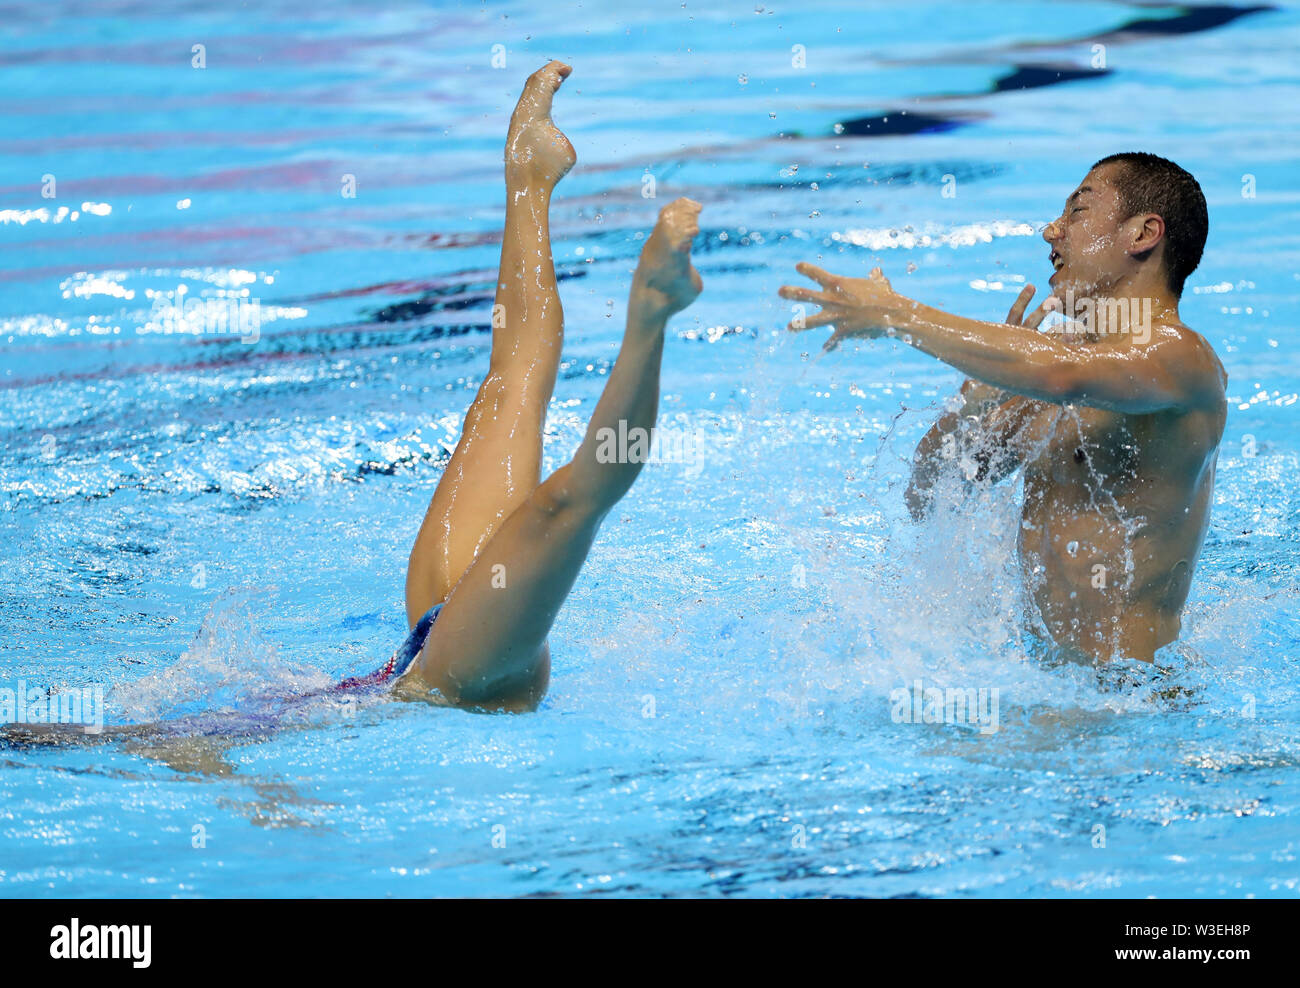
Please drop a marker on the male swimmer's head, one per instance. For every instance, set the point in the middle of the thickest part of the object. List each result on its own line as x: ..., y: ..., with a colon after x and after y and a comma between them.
x: 1135, y: 216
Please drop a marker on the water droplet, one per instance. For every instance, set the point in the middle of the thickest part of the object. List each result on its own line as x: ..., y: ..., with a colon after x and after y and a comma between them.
x: 911, y: 266
x: 1072, y: 548
x: 742, y: 79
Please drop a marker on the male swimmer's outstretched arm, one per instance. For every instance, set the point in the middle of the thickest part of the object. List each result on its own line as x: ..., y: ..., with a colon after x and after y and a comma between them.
x: 1171, y: 371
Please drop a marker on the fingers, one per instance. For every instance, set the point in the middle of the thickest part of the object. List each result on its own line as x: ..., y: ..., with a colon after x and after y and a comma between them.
x: 1050, y: 304
x: 796, y: 294
x: 813, y: 322
x: 823, y: 278
x: 822, y: 319
x: 1018, y: 307
x: 1016, y: 317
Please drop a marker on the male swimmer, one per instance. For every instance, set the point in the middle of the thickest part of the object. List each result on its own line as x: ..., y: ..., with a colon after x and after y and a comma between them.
x: 1116, y: 421
x: 499, y: 549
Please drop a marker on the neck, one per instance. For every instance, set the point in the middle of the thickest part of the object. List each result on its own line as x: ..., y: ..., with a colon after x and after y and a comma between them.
x: 1128, y: 308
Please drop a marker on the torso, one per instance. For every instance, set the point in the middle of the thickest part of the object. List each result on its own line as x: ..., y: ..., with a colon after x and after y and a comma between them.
x: 1116, y: 508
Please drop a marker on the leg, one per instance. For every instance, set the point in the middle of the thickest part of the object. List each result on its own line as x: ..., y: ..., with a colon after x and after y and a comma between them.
x: 488, y: 646
x: 497, y: 462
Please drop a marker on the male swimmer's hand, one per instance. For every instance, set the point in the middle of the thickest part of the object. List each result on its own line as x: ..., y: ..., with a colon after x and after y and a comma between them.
x: 858, y: 307
x: 1016, y: 317
x: 980, y: 396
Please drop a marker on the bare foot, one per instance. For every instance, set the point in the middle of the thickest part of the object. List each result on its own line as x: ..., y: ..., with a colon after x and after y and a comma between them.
x: 536, y: 151
x: 666, y: 281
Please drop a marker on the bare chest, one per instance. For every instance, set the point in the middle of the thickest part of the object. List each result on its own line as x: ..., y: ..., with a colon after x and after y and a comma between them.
x: 1080, y: 449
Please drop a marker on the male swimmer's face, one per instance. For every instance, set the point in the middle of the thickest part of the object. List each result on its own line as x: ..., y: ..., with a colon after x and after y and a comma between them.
x: 1087, y: 242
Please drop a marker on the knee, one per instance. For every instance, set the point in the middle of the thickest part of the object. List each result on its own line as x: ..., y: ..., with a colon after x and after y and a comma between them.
x: 561, y: 498
x: 555, y: 496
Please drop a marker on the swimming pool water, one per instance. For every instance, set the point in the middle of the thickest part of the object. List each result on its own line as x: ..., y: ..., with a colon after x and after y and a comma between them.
x: 195, y: 522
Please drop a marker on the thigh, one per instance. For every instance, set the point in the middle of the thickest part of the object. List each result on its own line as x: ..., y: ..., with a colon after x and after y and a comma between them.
x: 488, y: 645
x: 495, y: 467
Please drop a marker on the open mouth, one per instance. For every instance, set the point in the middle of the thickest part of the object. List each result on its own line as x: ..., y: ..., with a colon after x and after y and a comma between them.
x: 1056, y: 260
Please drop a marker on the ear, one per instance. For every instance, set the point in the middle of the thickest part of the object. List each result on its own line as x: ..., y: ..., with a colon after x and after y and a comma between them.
x: 1148, y: 231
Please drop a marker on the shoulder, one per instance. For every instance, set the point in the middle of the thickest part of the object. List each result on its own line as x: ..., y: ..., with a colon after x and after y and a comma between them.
x: 1191, y: 360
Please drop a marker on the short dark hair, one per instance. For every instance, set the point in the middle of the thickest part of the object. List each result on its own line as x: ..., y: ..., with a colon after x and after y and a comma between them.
x: 1151, y: 184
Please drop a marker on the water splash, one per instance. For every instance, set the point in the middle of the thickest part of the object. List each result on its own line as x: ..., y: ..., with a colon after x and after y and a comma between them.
x: 229, y: 666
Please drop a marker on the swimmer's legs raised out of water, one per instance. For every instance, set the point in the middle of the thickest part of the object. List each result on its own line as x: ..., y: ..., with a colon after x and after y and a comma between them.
x: 497, y: 463
x: 501, y: 549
